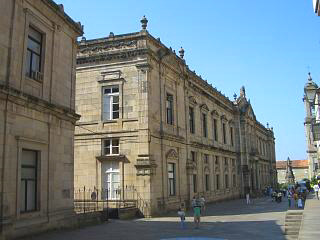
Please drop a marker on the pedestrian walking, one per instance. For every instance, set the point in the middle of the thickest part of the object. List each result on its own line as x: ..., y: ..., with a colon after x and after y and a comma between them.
x: 316, y: 190
x: 295, y: 197
x: 182, y: 216
x: 196, y: 204
x: 279, y: 197
x: 248, y: 198
x: 203, y: 205
x: 289, y: 196
x: 300, y: 205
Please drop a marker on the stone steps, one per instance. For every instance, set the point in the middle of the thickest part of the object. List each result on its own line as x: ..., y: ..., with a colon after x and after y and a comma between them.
x: 292, y: 223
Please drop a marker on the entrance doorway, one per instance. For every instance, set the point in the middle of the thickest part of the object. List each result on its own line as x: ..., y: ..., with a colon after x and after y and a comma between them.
x: 110, y: 177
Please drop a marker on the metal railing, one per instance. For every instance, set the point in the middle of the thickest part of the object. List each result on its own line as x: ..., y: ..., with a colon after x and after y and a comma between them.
x: 94, y: 199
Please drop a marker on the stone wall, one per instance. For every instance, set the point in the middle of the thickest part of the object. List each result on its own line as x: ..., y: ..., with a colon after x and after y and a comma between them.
x: 36, y: 113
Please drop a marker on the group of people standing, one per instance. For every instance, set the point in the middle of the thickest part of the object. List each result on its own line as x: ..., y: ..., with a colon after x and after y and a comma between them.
x: 198, y: 206
x: 296, y: 198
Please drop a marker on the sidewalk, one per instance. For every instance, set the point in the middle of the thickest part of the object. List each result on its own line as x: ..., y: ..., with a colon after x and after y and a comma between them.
x: 311, y: 219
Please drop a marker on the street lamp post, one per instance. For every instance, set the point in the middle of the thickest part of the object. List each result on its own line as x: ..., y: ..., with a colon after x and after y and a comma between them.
x: 312, y: 125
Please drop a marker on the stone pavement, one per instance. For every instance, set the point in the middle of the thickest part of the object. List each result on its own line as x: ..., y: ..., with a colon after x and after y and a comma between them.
x: 226, y: 220
x: 310, y: 226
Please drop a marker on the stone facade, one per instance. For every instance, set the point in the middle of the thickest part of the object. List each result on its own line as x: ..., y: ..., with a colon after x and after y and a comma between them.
x: 149, y: 121
x: 300, y: 169
x: 37, y: 116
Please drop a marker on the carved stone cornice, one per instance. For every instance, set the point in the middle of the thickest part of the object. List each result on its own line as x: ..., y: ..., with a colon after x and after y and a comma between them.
x: 109, y: 56
x: 105, y: 47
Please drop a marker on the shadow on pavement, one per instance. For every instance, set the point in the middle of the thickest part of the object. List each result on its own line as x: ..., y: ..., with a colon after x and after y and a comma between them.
x: 143, y: 230
x: 239, y: 207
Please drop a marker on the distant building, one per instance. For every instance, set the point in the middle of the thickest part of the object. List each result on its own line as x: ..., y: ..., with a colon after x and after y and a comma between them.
x: 300, y: 170
x: 37, y: 116
x: 150, y: 122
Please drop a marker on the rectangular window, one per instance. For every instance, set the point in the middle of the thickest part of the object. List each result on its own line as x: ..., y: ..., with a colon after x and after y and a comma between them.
x: 226, y: 161
x: 193, y: 156
x: 194, y: 180
x: 206, y: 158
x: 34, y: 52
x: 234, y: 180
x: 169, y: 108
x: 233, y: 163
x: 231, y: 135
x: 224, y: 133
x: 171, y: 178
x: 111, y: 146
x: 207, y: 182
x: 191, y: 120
x: 218, y: 181
x: 204, y: 125
x: 110, y: 103
x: 227, y: 181
x: 215, y: 130
x: 217, y: 161
x: 28, y: 188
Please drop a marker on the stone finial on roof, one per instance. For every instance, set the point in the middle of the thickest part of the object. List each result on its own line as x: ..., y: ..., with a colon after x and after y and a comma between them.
x: 61, y: 7
x: 235, y: 96
x: 83, y: 40
x: 144, y: 23
x: 242, y: 92
x: 267, y: 125
x: 181, y: 52
x: 309, y: 77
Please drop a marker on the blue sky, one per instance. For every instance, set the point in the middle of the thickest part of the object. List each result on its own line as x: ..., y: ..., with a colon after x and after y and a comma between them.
x: 267, y: 46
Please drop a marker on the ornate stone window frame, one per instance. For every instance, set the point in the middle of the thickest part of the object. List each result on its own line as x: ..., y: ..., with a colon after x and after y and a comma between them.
x: 110, y: 79
x: 204, y: 110
x: 215, y: 129
x: 224, y: 122
x: 172, y: 157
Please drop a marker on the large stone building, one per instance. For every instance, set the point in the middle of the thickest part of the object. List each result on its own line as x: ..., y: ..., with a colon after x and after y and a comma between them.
x: 300, y: 169
x: 147, y: 120
x: 37, y: 116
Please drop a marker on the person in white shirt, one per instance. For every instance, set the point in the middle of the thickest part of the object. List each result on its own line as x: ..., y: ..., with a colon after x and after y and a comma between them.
x: 316, y: 190
x: 248, y: 198
x: 203, y: 204
x: 182, y: 216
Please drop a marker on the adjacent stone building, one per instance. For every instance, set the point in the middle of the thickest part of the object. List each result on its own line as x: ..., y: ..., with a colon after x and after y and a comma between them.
x: 150, y: 122
x: 37, y: 116
x: 300, y: 169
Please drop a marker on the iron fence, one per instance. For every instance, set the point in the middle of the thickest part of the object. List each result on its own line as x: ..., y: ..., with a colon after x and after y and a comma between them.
x: 94, y: 199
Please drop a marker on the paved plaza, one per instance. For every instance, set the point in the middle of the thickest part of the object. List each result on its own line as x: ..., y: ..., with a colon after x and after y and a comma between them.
x: 263, y: 219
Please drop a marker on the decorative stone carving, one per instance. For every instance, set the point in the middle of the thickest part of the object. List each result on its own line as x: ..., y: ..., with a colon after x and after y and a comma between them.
x: 145, y: 166
x: 215, y: 113
x: 107, y: 46
x: 242, y: 92
x: 204, y: 107
x: 223, y: 118
x: 172, y: 154
x: 181, y: 52
x: 192, y: 100
x: 144, y: 23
